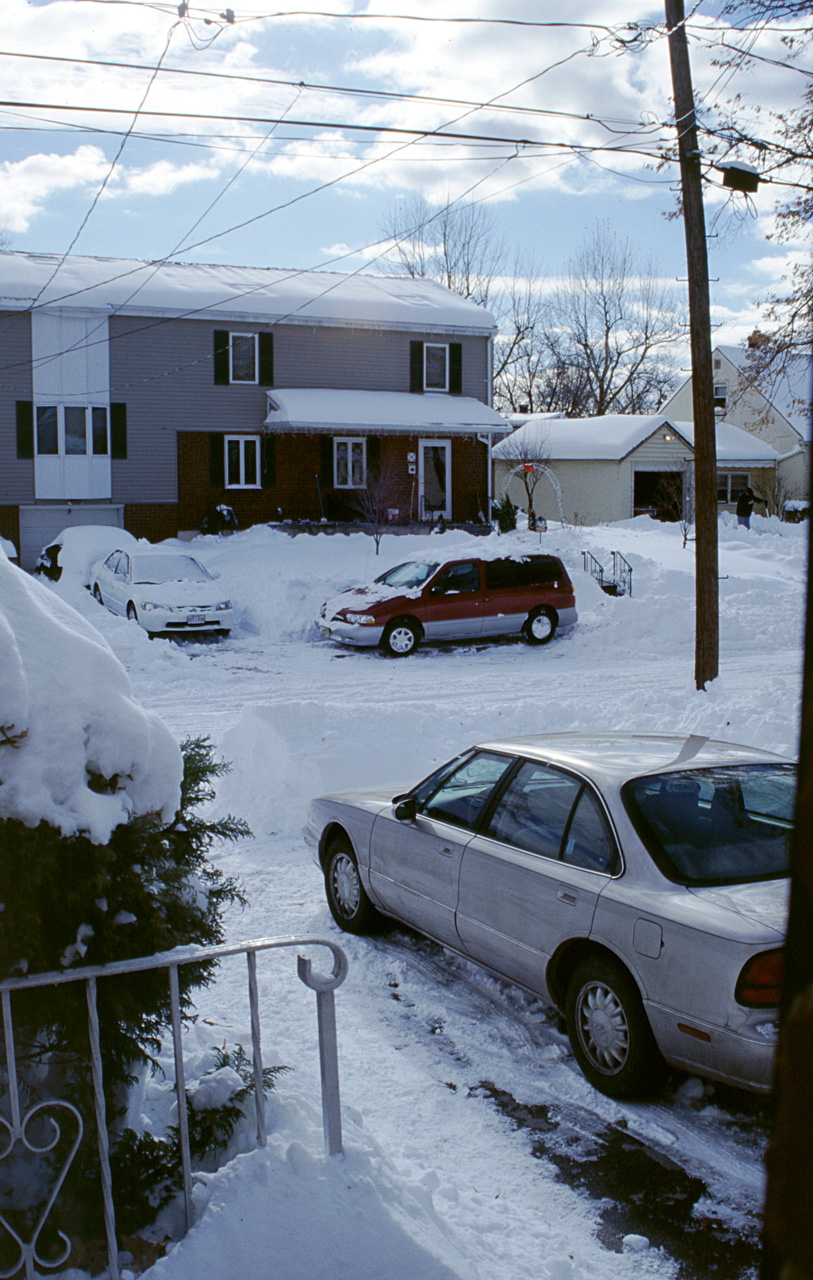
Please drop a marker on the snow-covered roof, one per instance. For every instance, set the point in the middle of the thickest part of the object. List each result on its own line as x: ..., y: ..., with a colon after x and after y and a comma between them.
x: 379, y: 411
x: 788, y: 390
x: 614, y: 436
x: 263, y: 294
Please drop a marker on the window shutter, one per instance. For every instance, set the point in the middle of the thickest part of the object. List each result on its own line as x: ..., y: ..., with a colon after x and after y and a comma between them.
x: 266, y: 345
x: 268, y: 462
x: 221, y: 357
x: 416, y: 366
x: 118, y: 431
x: 326, y: 462
x: 217, y: 462
x: 455, y: 368
x: 25, y: 429
x: 373, y: 455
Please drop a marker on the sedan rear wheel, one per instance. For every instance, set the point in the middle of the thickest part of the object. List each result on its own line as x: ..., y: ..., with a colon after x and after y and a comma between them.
x: 400, y: 638
x: 349, y: 905
x: 609, y: 1031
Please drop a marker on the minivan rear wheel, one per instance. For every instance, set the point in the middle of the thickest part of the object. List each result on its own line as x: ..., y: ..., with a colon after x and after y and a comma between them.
x: 540, y: 625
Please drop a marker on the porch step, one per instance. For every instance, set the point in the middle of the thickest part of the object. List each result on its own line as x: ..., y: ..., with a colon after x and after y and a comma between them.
x: 617, y: 583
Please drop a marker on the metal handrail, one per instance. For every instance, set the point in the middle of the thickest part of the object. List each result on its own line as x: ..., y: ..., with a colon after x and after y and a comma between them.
x: 322, y: 984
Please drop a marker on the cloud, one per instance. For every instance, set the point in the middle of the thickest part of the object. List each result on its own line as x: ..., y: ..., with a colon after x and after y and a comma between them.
x: 28, y: 186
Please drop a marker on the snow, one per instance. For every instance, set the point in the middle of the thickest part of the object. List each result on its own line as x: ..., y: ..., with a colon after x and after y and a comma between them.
x: 315, y: 410
x: 614, y: 436
x: 435, y: 1182
x: 788, y: 390
x: 67, y: 711
x: 268, y: 295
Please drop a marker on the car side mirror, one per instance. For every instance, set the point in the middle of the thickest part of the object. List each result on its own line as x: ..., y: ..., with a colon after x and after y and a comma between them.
x: 406, y: 810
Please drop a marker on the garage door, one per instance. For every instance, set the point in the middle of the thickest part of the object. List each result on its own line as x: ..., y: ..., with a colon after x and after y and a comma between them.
x: 41, y: 525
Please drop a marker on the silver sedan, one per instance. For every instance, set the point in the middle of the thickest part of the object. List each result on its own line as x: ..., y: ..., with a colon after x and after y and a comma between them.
x: 638, y: 883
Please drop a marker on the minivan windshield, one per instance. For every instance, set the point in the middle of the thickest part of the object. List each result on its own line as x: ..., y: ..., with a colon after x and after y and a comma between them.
x: 412, y: 574
x: 716, y: 826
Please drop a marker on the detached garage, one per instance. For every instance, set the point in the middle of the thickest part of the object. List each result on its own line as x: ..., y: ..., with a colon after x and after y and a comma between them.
x: 621, y: 465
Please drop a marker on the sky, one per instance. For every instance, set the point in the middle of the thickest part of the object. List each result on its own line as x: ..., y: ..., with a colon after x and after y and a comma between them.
x: 254, y: 161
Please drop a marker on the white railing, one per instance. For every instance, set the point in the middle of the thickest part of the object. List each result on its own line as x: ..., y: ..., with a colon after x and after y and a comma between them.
x: 18, y: 1128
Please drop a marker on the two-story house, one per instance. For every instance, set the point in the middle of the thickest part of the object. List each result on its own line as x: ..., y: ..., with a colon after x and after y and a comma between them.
x: 147, y: 394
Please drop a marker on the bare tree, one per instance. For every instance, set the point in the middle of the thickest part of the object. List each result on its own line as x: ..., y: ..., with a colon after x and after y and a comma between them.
x: 528, y: 454
x: 676, y: 495
x: 457, y: 245
x: 375, y: 501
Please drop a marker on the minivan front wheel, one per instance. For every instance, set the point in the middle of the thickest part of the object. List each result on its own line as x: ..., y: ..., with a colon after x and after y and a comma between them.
x: 400, y: 638
x: 540, y: 626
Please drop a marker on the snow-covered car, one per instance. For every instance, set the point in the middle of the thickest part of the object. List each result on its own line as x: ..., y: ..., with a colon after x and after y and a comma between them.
x: 9, y: 549
x: 465, y: 597
x: 77, y: 549
x: 638, y: 883
x: 164, y: 591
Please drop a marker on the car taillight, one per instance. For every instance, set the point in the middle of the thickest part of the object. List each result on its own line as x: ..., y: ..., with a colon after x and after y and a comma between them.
x: 760, y: 983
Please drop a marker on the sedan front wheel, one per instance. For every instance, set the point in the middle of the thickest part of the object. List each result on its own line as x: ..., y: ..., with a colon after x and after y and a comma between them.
x: 609, y: 1031
x: 349, y: 905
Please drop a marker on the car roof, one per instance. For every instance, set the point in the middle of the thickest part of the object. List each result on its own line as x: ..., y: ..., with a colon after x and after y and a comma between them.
x: 614, y: 757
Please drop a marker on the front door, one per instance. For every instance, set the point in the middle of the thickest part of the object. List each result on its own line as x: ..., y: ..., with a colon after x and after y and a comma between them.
x: 435, y: 479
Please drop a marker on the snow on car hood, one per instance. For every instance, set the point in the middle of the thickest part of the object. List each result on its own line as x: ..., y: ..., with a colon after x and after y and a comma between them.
x: 370, y: 593
x: 763, y: 901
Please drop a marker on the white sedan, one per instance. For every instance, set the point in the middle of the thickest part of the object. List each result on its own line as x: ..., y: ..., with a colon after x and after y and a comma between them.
x: 162, y: 591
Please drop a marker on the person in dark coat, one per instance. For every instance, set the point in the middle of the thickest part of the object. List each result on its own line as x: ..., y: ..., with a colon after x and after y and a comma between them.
x: 745, y: 506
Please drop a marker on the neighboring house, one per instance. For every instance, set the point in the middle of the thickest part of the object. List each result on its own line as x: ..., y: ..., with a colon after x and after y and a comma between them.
x: 147, y: 394
x: 777, y: 411
x: 620, y: 465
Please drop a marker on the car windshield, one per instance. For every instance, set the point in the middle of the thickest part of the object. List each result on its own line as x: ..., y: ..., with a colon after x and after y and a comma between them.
x: 716, y: 826
x: 152, y: 569
x: 412, y: 574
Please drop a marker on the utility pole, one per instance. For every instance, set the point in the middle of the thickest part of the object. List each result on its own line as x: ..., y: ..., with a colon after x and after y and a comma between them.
x: 707, y: 620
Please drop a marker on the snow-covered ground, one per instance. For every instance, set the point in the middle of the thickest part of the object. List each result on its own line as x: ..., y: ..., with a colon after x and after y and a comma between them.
x: 451, y: 1081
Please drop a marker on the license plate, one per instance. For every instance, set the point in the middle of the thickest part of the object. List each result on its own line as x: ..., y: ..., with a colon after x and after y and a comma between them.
x: 196, y: 619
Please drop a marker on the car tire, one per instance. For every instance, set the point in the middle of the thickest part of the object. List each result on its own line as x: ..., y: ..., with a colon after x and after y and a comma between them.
x: 609, y: 1030
x: 540, y: 625
x: 131, y: 612
x: 400, y: 638
x: 349, y: 905
x: 97, y: 595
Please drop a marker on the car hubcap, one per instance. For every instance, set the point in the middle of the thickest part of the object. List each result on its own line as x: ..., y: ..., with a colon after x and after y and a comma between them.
x: 402, y: 639
x: 603, y: 1028
x: 345, y: 883
x: 541, y: 627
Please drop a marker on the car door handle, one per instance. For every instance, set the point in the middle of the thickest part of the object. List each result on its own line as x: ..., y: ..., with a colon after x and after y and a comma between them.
x: 568, y: 896
x: 446, y: 850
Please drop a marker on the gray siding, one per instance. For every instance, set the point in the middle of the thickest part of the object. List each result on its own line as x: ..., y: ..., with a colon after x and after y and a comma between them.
x: 17, y: 474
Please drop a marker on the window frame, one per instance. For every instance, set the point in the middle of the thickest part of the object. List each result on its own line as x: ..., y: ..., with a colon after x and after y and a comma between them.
x: 719, y: 395
x: 254, y: 338
x: 241, y: 441
x: 61, y: 410
x: 727, y: 477
x: 436, y: 346
x: 349, y: 441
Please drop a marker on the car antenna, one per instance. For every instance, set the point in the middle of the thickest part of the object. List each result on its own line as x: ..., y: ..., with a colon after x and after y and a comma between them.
x: 690, y: 748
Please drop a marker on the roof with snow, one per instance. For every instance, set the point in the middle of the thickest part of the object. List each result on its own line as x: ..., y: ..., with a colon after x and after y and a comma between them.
x: 263, y: 294
x: 614, y: 436
x: 789, y: 389
x: 380, y: 411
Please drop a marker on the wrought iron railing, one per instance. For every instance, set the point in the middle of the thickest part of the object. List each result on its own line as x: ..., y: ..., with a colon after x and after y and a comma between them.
x: 619, y: 583
x: 23, y: 1128
x: 622, y: 574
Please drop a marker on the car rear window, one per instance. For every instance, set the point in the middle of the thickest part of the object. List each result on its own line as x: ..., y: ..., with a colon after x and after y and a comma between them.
x: 533, y: 572
x: 716, y: 826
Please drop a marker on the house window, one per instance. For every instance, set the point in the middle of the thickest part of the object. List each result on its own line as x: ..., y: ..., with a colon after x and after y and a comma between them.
x: 349, y: 463
x: 730, y: 485
x: 62, y: 431
x: 242, y: 357
x: 242, y: 462
x: 720, y: 396
x: 435, y: 367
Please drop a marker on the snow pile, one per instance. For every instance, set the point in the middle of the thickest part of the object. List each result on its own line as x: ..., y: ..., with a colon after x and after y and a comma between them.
x: 66, y: 712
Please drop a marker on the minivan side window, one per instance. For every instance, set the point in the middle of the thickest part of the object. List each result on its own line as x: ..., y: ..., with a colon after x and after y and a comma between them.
x: 533, y: 572
x: 457, y: 577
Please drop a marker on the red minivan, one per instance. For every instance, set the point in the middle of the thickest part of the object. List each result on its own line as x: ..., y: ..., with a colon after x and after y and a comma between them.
x: 465, y: 598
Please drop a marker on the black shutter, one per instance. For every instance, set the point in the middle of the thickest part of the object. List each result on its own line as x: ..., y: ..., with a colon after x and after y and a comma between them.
x: 266, y: 345
x: 373, y: 455
x: 268, y: 462
x: 221, y: 357
x: 326, y: 462
x: 217, y: 461
x: 416, y: 366
x: 455, y: 368
x: 118, y: 431
x: 25, y: 429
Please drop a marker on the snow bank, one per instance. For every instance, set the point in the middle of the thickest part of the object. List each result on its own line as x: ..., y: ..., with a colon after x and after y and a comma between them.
x: 67, y: 711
